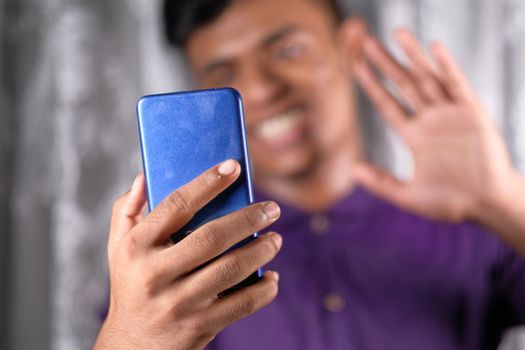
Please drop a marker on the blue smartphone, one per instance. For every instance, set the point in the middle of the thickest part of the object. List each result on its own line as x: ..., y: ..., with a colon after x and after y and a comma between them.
x: 183, y: 134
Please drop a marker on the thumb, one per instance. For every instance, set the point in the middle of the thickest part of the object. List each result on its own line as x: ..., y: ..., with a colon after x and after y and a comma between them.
x: 127, y: 210
x: 381, y: 183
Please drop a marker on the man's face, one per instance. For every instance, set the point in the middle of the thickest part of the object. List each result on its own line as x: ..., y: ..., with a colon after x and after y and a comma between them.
x: 285, y: 58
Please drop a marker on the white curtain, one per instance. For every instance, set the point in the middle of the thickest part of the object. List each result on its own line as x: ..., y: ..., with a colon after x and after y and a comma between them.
x: 81, y: 65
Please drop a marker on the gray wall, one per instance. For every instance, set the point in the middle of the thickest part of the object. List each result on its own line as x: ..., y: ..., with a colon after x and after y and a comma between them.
x: 5, y: 155
x: 27, y: 137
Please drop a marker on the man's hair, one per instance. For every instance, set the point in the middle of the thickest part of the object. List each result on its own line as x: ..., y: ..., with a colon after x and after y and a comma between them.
x: 183, y: 17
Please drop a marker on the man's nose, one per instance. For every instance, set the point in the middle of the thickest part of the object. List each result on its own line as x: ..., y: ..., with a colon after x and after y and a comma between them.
x: 259, y: 86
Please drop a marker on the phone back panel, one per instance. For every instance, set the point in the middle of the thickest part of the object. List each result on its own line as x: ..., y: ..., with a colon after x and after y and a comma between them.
x: 183, y: 134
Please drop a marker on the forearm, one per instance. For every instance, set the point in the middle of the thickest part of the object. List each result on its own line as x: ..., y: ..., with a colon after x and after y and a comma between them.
x: 504, y: 214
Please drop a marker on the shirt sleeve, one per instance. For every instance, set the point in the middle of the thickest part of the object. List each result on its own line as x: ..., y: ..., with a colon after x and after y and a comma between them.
x: 509, y: 284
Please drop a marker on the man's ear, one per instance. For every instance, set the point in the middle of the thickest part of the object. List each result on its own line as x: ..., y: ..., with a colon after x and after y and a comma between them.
x: 351, y: 36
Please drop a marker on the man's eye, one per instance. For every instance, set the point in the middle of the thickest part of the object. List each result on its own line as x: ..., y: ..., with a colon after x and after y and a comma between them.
x: 289, y: 51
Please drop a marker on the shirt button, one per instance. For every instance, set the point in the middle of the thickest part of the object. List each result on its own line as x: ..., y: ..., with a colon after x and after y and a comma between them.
x: 319, y: 224
x: 334, y: 302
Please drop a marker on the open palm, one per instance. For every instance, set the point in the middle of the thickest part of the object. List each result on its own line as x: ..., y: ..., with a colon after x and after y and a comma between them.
x: 460, y: 159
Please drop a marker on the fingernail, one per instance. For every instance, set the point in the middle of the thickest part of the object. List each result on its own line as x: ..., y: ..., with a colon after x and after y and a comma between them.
x: 227, y: 167
x: 435, y: 45
x: 277, y: 239
x: 402, y: 34
x: 276, y: 276
x: 272, y: 210
x: 399, y: 30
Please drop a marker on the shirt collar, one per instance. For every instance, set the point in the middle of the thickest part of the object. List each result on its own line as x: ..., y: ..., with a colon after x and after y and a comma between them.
x: 358, y: 203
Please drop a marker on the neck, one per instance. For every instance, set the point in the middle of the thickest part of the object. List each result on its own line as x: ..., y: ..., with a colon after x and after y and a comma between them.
x: 329, y: 180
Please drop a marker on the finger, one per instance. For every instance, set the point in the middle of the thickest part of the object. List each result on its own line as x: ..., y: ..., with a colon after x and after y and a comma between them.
x: 181, y: 205
x: 137, y: 198
x: 214, y: 238
x: 234, y: 267
x: 390, y: 68
x: 422, y: 68
x: 381, y: 183
x: 127, y: 209
x: 455, y: 82
x: 385, y: 103
x: 243, y: 302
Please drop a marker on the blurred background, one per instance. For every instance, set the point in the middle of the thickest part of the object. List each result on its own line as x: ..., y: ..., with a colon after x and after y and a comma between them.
x: 70, y: 74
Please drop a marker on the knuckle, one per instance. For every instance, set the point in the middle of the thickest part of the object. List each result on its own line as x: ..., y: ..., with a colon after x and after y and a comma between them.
x: 229, y: 270
x: 202, y: 329
x: 268, y: 292
x: 131, y: 246
x: 180, y: 201
x: 209, y: 236
x: 247, y: 305
x: 197, y: 325
x: 176, y: 308
x: 148, y: 282
x: 206, y: 182
x: 173, y: 310
x: 155, y: 217
x: 270, y: 246
x: 253, y: 217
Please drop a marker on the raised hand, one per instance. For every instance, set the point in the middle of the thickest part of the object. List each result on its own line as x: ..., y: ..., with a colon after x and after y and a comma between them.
x: 161, y: 295
x: 461, y: 162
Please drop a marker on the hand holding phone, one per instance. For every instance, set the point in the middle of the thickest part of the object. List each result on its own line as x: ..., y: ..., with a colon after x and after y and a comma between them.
x: 161, y: 295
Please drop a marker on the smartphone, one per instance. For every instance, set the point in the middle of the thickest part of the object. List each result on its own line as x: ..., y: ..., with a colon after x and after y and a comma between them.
x: 183, y: 134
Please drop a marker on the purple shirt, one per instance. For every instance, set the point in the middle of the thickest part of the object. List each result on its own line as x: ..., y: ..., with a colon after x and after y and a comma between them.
x: 368, y: 275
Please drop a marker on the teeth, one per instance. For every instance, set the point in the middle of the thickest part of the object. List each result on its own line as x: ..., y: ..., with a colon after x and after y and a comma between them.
x: 278, y: 125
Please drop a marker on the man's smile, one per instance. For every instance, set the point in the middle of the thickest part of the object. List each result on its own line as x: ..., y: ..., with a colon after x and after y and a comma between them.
x: 281, y: 130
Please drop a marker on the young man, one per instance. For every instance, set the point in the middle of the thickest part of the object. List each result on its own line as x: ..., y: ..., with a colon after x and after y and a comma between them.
x: 370, y: 262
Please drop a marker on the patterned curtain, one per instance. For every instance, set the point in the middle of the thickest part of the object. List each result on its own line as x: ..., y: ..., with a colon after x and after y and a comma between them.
x: 72, y: 72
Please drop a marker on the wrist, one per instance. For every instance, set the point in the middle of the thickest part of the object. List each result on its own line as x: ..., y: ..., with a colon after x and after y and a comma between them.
x: 494, y: 205
x: 113, y: 336
x: 504, y: 214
